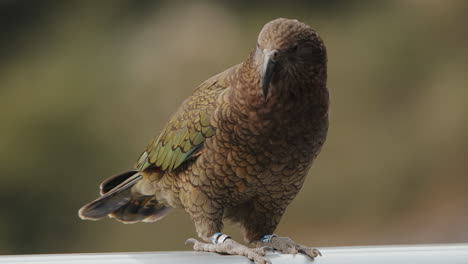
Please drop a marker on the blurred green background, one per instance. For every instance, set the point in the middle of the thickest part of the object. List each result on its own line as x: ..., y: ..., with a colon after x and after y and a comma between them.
x: 85, y: 85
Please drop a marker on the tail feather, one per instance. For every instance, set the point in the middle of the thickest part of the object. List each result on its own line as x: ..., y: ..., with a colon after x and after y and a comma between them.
x: 111, y: 200
x: 115, y: 180
x: 119, y: 201
x: 144, y: 208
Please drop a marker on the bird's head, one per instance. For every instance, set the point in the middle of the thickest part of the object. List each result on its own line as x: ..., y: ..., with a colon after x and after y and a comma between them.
x: 290, y: 51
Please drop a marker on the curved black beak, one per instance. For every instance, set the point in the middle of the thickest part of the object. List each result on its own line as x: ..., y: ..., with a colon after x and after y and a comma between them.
x: 269, y: 65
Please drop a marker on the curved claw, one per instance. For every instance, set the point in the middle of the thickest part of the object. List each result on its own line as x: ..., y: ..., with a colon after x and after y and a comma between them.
x: 268, y: 249
x: 191, y: 240
x: 311, y: 252
x: 288, y: 246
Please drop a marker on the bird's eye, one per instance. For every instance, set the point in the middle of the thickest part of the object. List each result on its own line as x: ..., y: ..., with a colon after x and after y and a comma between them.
x: 294, y: 48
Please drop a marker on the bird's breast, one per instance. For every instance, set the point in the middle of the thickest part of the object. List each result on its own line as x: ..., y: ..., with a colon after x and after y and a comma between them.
x: 271, y: 150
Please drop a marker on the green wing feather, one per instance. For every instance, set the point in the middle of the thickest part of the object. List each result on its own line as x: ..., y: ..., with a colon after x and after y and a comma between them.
x: 187, y: 129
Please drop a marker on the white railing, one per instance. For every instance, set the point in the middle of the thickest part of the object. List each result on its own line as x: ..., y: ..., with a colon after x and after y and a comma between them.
x: 416, y: 254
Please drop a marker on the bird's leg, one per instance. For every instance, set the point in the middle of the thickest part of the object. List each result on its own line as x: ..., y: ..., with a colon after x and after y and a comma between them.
x: 211, y: 223
x: 222, y: 243
x: 262, y: 218
x: 286, y: 246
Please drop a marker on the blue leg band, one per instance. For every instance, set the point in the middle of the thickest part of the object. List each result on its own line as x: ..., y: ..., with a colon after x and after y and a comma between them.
x: 215, y: 237
x: 267, y: 238
x: 219, y: 238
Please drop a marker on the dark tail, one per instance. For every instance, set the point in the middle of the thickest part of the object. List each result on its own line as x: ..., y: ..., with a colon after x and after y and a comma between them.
x: 118, y: 201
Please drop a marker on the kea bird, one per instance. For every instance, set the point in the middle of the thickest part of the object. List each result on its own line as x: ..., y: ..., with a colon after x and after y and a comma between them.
x: 238, y: 149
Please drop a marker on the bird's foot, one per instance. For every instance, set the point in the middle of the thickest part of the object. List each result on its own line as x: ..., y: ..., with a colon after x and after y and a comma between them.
x: 288, y: 246
x: 223, y: 244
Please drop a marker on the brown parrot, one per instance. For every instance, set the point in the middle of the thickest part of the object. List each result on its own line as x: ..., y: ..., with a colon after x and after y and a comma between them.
x: 238, y: 149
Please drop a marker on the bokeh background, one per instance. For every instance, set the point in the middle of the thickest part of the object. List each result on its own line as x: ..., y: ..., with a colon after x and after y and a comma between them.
x: 85, y: 85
